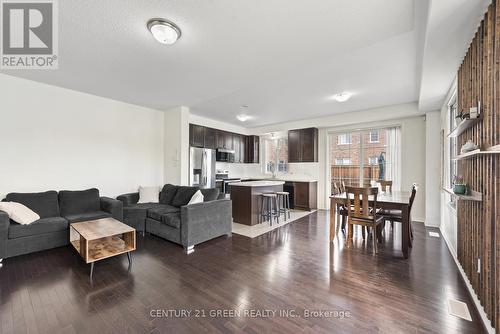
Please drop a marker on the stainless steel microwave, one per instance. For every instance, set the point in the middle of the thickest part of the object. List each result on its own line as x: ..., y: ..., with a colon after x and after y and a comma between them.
x: 224, y: 155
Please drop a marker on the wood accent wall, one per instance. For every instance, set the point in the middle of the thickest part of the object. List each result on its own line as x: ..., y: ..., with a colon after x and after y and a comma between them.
x: 479, y: 222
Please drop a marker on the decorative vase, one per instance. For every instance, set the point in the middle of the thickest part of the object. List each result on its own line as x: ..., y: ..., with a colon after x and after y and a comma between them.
x: 460, y: 189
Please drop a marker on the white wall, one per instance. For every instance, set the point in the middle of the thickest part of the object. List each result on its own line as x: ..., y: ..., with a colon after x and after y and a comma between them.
x: 55, y: 138
x: 433, y: 169
x: 176, y: 146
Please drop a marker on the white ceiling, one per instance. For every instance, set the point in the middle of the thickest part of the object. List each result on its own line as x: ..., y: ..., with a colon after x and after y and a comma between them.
x: 282, y: 58
x: 450, y: 28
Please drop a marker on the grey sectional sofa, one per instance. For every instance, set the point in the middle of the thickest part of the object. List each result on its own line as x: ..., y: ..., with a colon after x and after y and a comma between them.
x: 56, y: 211
x: 174, y: 220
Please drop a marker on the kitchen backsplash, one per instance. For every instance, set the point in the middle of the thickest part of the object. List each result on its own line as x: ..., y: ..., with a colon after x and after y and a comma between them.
x: 309, y: 171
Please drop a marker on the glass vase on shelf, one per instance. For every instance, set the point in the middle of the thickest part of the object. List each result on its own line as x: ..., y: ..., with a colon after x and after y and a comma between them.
x: 459, y: 185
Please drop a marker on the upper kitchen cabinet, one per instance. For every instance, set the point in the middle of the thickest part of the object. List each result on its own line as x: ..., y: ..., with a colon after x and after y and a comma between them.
x: 246, y: 148
x: 224, y: 140
x: 303, y: 145
x: 252, y: 149
x: 239, y: 148
x: 210, y: 138
x: 196, y: 135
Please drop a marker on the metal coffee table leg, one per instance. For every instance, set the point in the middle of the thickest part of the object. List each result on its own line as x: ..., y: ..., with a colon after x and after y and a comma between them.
x: 129, y: 256
x: 91, y: 271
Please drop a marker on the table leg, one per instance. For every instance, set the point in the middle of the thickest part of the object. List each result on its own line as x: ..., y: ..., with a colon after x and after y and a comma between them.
x: 339, y: 219
x: 91, y: 271
x: 405, y: 234
x: 129, y: 256
x: 332, y: 219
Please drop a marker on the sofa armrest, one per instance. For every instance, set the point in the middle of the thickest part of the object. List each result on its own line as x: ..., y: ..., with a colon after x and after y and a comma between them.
x: 204, y: 221
x: 4, y: 232
x: 113, y: 206
x: 129, y: 199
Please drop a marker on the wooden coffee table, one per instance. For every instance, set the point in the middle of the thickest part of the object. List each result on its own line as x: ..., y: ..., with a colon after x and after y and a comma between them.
x: 100, y: 239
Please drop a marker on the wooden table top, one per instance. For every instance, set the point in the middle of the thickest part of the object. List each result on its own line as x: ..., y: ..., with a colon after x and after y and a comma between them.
x: 400, y: 197
x: 101, y: 228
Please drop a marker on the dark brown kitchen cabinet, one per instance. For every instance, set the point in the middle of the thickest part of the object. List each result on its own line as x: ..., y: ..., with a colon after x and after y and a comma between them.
x: 303, y: 145
x: 243, y: 149
x: 303, y: 195
x: 294, y: 146
x: 196, y: 135
x: 252, y: 149
x: 224, y: 140
x: 239, y: 148
x: 246, y: 148
x: 210, y: 138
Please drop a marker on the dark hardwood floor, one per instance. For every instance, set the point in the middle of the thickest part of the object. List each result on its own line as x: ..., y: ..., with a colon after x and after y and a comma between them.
x: 290, y: 268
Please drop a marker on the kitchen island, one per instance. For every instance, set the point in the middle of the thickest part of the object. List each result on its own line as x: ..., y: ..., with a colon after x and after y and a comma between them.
x: 246, y: 202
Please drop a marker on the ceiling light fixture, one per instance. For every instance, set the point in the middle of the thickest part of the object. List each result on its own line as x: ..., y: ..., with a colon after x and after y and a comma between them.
x: 342, y: 97
x: 164, y: 31
x: 243, y: 117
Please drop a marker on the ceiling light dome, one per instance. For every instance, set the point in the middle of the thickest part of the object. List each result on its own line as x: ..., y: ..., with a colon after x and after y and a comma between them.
x: 164, y: 31
x: 243, y: 117
x: 342, y: 97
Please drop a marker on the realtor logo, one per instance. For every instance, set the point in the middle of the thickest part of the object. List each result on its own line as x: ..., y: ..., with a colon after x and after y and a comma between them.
x: 29, y: 34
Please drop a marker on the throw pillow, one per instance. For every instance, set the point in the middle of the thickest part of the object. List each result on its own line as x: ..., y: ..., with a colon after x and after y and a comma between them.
x: 149, y: 194
x: 197, y: 198
x: 19, y: 213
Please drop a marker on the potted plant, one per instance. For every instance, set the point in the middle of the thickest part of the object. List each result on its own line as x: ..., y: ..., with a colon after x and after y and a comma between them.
x: 459, y: 185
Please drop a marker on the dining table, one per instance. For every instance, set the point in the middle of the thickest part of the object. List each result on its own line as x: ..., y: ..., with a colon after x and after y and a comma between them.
x: 395, y: 200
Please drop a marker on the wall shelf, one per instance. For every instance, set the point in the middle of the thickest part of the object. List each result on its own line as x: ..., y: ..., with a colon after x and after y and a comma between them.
x: 473, y: 196
x: 462, y: 126
x: 478, y: 152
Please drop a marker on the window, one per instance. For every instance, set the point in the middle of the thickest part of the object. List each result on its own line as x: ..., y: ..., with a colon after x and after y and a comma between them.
x: 373, y: 137
x: 276, y: 155
x: 344, y: 139
x: 342, y: 161
x: 451, y: 166
x: 360, y: 157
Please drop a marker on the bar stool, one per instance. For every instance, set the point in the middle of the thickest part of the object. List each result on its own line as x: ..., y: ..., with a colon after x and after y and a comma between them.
x: 270, y: 202
x: 283, y: 198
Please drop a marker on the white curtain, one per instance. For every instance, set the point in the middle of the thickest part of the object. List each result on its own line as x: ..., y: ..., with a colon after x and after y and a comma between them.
x: 393, y: 167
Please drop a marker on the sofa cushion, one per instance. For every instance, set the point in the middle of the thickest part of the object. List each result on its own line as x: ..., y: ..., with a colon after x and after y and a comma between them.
x: 167, y: 194
x: 41, y: 226
x: 19, y: 213
x: 183, y: 196
x: 172, y: 219
x: 210, y: 194
x: 76, y: 202
x: 86, y: 216
x: 157, y: 213
x: 149, y: 194
x: 45, y: 204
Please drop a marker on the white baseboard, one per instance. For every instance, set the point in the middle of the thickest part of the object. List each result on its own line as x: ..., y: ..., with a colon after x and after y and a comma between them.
x: 482, y: 313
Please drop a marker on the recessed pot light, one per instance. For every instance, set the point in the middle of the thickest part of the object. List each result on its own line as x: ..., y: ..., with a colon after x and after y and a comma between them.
x: 164, y: 31
x: 243, y: 117
x: 342, y: 97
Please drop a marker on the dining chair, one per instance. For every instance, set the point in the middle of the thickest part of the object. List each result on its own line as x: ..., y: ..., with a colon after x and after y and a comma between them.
x: 341, y: 209
x: 360, y: 213
x: 396, y: 215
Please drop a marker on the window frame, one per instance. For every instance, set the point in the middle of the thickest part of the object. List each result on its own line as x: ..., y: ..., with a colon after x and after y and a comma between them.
x: 348, y: 139
x: 370, y: 137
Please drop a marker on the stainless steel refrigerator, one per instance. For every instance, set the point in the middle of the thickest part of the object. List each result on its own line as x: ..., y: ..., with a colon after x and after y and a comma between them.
x: 202, y: 167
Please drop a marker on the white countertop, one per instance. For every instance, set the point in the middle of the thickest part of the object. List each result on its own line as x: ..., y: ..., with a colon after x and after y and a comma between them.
x: 258, y: 184
x: 280, y: 178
